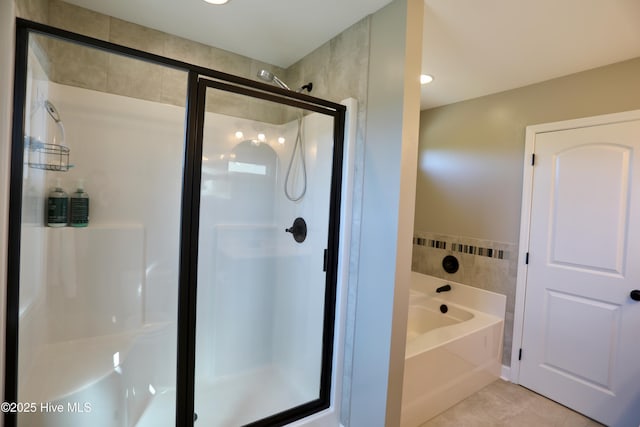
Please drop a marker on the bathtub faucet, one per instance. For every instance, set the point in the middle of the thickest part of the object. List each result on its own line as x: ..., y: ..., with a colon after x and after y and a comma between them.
x: 445, y: 288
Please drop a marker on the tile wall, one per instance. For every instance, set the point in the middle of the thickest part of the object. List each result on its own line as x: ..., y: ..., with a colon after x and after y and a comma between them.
x: 484, y: 264
x: 75, y: 65
x: 336, y: 68
x: 34, y: 10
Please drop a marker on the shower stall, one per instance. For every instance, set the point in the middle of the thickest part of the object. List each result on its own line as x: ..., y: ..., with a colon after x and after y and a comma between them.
x: 200, y: 293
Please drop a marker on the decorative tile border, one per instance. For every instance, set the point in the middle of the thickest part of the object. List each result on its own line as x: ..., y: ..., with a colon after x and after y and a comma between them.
x: 460, y: 247
x: 486, y: 264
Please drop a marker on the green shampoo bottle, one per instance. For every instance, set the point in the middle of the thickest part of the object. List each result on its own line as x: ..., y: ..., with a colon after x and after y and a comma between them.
x: 79, y: 215
x: 57, y: 204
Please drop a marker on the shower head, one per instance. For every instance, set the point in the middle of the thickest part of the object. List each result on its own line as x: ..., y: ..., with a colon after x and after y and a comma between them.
x: 55, y: 115
x: 269, y: 77
x: 52, y: 110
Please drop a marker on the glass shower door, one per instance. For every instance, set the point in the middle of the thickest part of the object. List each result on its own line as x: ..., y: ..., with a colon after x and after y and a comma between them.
x: 92, y: 298
x: 264, y: 309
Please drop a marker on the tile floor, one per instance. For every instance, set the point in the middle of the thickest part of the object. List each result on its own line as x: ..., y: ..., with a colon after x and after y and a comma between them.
x: 504, y: 404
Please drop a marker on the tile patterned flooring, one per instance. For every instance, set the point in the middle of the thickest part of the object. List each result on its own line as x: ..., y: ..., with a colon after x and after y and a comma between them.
x: 504, y: 404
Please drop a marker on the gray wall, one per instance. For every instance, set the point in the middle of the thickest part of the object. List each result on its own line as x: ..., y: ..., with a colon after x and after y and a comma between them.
x: 470, y: 173
x: 389, y: 168
x: 469, y: 185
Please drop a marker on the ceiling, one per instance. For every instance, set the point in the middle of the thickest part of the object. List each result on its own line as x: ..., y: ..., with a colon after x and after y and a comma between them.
x: 478, y: 47
x: 471, y: 47
x: 278, y: 32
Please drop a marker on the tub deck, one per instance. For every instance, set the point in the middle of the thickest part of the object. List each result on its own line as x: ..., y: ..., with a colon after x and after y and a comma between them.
x: 445, y: 334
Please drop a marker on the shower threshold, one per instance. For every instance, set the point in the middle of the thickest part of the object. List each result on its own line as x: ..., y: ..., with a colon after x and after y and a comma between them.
x: 230, y: 401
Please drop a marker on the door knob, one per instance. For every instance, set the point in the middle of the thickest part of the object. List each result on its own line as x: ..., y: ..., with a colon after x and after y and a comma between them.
x: 635, y: 295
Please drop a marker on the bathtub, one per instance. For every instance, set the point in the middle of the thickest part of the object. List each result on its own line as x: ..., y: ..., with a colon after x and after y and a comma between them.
x: 454, y: 346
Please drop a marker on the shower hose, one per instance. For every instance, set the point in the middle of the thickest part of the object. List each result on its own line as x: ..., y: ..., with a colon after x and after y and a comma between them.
x: 298, y: 147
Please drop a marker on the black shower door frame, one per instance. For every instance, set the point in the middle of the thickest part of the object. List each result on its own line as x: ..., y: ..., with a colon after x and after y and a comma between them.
x: 198, y: 79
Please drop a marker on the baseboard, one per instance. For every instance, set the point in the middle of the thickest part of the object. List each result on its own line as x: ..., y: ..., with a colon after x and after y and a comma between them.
x: 505, y: 373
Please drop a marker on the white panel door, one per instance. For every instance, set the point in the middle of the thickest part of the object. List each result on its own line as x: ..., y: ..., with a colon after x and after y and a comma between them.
x: 581, y: 333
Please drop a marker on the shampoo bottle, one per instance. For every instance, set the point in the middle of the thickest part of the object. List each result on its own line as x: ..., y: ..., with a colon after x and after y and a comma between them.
x: 57, y: 205
x: 79, y: 216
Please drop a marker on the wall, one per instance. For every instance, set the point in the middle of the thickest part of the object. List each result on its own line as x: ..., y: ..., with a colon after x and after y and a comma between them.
x: 389, y: 168
x: 35, y: 10
x: 7, y: 31
x: 469, y: 185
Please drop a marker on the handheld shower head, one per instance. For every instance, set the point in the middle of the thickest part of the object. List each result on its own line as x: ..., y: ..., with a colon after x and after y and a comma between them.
x: 55, y: 115
x: 269, y: 77
x: 53, y: 112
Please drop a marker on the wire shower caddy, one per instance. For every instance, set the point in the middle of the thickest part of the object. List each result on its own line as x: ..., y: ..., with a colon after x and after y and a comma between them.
x: 44, y: 155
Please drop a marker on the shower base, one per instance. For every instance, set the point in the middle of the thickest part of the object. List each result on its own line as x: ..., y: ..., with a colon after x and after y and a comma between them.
x: 231, y: 401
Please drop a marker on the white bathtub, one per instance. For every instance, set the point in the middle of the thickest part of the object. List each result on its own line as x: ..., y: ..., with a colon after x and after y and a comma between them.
x: 451, y: 355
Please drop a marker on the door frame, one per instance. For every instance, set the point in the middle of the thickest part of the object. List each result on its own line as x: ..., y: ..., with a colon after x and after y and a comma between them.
x: 525, y: 216
x: 336, y: 253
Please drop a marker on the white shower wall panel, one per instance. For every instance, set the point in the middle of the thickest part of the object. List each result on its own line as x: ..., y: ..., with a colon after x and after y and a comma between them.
x: 300, y: 278
x: 129, y: 154
x: 120, y: 273
x: 33, y: 239
x: 235, y: 265
x: 94, y: 280
x: 261, y: 297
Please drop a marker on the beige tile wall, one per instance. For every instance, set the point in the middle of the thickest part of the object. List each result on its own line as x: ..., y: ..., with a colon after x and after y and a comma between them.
x: 34, y: 10
x: 338, y: 69
x: 335, y: 68
x: 79, y: 66
x: 490, y: 273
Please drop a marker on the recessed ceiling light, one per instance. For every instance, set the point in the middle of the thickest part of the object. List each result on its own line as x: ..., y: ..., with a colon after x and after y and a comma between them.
x: 425, y: 78
x: 217, y: 1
